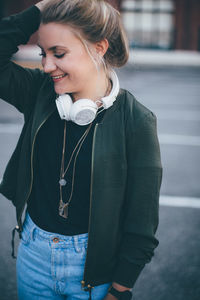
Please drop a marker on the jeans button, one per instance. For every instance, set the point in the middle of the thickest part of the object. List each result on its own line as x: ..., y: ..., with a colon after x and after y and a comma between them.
x: 56, y: 240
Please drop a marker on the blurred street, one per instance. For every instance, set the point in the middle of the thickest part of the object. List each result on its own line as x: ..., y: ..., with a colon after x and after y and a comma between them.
x: 173, y: 94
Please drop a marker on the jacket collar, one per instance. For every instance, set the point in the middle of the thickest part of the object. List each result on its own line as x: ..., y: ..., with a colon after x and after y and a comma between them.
x: 45, y: 106
x: 108, y: 113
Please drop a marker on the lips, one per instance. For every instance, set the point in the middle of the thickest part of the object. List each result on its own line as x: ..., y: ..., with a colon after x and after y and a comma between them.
x: 58, y: 77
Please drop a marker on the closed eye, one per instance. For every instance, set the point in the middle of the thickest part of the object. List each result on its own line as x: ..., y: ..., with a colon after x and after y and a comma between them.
x: 56, y: 55
x: 59, y: 55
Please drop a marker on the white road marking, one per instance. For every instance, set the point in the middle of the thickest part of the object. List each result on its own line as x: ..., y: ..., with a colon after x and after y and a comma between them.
x: 177, y: 115
x: 10, y: 128
x: 175, y: 139
x: 175, y: 201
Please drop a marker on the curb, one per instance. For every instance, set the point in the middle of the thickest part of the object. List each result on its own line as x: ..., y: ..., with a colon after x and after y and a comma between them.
x: 171, y: 58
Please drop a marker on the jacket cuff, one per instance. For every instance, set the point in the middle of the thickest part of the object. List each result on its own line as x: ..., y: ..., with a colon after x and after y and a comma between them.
x: 28, y: 21
x: 127, y: 273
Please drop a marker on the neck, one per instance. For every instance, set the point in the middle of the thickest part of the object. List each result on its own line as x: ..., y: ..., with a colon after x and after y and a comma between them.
x: 98, y: 88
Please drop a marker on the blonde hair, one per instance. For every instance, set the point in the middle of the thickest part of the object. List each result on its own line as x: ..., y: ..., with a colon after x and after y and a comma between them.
x: 94, y: 20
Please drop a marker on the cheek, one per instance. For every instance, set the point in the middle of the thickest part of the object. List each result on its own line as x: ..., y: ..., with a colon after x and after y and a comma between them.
x: 64, y: 64
x: 77, y: 65
x: 72, y: 66
x: 43, y: 61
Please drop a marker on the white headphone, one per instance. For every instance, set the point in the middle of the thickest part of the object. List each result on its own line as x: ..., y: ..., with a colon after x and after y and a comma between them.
x: 83, y: 111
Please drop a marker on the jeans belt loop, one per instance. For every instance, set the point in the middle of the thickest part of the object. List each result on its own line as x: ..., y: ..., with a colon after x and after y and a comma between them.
x: 32, y: 231
x: 76, y: 243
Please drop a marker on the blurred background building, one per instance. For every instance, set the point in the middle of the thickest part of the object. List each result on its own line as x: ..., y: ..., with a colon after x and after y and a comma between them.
x: 162, y: 24
x: 150, y: 24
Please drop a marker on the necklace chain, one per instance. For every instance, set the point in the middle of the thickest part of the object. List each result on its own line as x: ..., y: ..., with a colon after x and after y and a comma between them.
x: 63, y: 206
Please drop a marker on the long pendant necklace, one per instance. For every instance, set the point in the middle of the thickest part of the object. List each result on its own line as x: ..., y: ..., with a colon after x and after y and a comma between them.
x: 63, y: 207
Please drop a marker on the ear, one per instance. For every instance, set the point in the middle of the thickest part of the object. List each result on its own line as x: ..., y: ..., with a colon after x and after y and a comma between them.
x: 101, y: 47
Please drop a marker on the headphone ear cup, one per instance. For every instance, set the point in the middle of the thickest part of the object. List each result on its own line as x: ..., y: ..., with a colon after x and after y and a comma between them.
x: 64, y: 103
x: 83, y: 111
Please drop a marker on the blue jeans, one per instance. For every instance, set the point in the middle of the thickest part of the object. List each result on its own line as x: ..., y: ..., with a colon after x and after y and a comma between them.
x: 51, y: 266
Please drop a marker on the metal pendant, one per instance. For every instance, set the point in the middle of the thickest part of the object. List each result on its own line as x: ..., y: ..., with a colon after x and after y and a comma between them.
x: 62, y: 182
x: 63, y: 210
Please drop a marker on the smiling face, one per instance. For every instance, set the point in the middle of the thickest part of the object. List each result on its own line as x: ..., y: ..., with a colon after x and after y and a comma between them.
x: 66, y: 60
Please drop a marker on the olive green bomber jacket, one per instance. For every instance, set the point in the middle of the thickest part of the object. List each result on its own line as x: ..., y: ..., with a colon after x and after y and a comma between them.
x: 126, y: 167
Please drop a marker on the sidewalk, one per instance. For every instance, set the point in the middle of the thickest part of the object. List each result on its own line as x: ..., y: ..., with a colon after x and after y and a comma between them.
x: 137, y: 57
x: 165, y: 58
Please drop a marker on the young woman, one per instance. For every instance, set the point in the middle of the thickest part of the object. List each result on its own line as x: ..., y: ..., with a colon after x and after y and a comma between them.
x: 87, y: 164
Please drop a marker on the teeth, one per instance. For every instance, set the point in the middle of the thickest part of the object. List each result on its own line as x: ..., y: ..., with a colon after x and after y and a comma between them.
x: 57, y: 77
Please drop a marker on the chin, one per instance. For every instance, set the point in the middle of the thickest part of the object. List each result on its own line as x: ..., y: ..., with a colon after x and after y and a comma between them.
x: 60, y: 90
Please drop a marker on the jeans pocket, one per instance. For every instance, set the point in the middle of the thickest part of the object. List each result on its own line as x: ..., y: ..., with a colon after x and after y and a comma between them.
x: 25, y: 236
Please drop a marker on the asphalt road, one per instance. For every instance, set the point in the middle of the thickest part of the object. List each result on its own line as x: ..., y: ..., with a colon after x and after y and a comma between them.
x: 173, y: 94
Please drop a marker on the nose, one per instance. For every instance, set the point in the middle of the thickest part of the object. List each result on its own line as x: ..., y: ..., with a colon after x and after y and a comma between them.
x: 48, y: 65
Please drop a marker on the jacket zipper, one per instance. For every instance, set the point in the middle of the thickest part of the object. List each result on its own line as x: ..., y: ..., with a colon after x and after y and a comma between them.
x: 88, y: 286
x: 19, y: 219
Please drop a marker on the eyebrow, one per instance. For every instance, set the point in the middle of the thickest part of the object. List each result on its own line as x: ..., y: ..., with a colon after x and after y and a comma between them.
x: 53, y: 48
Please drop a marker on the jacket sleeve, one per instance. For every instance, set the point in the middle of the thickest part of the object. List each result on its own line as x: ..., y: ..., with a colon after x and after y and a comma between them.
x: 18, y: 85
x: 141, y: 200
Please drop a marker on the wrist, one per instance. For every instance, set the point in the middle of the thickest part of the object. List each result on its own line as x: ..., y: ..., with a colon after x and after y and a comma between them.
x: 120, y: 295
x: 120, y: 287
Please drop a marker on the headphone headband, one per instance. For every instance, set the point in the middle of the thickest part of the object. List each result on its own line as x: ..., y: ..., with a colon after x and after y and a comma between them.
x: 108, y: 100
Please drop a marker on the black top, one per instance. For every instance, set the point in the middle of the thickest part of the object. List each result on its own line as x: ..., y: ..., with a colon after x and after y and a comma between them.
x: 45, y: 196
